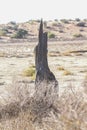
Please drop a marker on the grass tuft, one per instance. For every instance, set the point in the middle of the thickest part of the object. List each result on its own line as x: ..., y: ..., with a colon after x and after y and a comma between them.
x: 60, y: 68
x: 67, y: 72
x: 69, y: 112
x: 29, y: 72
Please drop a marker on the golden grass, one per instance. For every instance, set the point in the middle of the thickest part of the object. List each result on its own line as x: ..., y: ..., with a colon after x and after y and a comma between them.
x: 69, y: 113
x: 53, y: 54
x: 22, y: 122
x: 60, y: 68
x: 2, y: 54
x: 67, y: 72
x: 86, y: 75
x: 29, y: 72
x: 67, y: 53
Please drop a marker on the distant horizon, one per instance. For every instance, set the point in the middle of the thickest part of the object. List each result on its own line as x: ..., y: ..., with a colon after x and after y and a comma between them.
x: 25, y: 10
x: 53, y: 19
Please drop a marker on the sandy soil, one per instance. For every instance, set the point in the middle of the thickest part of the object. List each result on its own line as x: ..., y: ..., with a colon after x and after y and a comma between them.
x: 70, y: 55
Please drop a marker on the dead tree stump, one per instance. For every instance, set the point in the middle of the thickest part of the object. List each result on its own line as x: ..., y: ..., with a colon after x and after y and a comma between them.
x: 46, y: 85
x: 43, y: 72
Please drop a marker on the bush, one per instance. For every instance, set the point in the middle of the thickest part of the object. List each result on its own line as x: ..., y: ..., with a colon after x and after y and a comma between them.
x: 64, y: 21
x: 56, y: 20
x: 21, y: 33
x: 12, y: 22
x: 78, y: 35
x: 61, y: 31
x: 68, y: 113
x: 3, y: 32
x: 66, y: 73
x: 85, y: 20
x: 29, y: 72
x: 81, y: 24
x: 77, y: 19
x: 54, y: 24
x: 61, y: 68
x: 51, y: 35
x: 11, y: 27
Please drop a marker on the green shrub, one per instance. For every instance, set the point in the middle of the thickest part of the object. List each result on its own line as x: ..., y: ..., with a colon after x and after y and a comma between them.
x: 3, y: 32
x: 85, y: 20
x: 64, y: 21
x: 12, y: 27
x: 29, y: 72
x: 12, y: 22
x: 81, y: 24
x: 56, y: 20
x: 21, y: 33
x: 51, y: 35
x: 77, y: 19
x: 54, y: 24
x: 77, y: 35
x: 61, y: 31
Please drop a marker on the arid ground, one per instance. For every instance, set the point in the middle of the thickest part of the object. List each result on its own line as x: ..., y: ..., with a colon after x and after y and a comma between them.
x: 67, y: 60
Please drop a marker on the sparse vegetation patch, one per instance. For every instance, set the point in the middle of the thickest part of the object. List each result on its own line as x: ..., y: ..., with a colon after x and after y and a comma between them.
x: 77, y: 35
x: 64, y: 21
x: 81, y: 24
x: 67, y: 72
x: 3, y: 32
x: 51, y: 35
x: 21, y: 33
x: 29, y: 72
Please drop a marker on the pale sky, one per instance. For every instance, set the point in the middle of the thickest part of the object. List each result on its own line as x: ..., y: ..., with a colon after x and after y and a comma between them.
x: 24, y: 10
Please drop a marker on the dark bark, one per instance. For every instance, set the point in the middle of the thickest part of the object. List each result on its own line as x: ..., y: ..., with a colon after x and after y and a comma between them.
x: 43, y: 72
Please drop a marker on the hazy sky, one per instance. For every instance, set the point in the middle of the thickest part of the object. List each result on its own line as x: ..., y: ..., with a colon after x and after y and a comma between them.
x: 24, y: 10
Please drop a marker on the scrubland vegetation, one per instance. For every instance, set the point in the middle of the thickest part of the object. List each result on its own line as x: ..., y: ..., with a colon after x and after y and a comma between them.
x: 19, y: 109
x: 69, y: 112
x: 63, y: 29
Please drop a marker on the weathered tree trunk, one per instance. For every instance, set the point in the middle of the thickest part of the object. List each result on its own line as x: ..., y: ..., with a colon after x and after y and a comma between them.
x: 43, y: 72
x: 46, y: 85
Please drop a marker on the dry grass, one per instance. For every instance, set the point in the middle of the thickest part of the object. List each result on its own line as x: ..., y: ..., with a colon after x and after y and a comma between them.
x: 68, y: 113
x: 67, y: 72
x: 66, y: 53
x: 2, y: 54
x: 22, y: 122
x: 29, y: 72
x: 60, y: 68
x: 77, y: 35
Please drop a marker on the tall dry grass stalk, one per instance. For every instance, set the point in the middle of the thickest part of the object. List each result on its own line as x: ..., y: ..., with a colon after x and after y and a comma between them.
x: 68, y: 113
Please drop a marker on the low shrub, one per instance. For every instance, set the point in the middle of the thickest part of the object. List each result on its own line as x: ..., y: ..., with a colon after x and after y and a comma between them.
x: 3, y: 32
x: 77, y: 35
x: 60, y: 68
x: 81, y: 24
x: 67, y: 72
x: 29, y: 72
x: 21, y: 33
x: 64, y: 21
x: 77, y: 19
x: 12, y: 22
x: 61, y: 31
x: 54, y: 24
x: 68, y: 113
x: 51, y: 35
